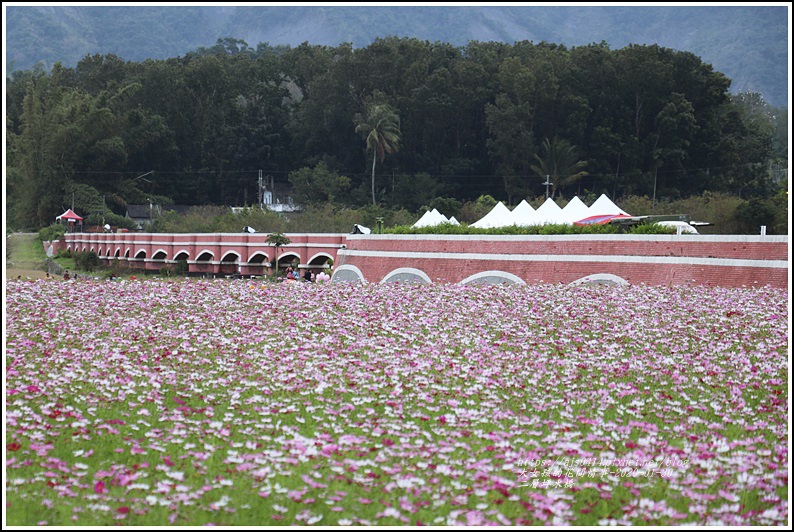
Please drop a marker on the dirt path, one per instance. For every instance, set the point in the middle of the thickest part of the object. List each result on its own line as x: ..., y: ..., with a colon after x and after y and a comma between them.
x: 25, y: 273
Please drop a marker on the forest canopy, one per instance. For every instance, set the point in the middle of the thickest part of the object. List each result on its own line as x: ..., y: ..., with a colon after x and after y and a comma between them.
x: 487, y: 118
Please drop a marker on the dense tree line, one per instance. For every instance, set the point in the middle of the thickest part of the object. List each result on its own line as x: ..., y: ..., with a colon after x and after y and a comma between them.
x: 484, y: 119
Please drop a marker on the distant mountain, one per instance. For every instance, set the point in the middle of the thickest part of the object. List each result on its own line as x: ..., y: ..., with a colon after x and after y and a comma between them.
x: 748, y: 44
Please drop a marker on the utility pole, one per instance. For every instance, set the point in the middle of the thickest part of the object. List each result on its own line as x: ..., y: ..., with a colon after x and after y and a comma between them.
x: 547, y: 183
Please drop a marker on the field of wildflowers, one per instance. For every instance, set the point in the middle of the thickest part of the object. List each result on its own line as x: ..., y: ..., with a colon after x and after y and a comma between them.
x: 246, y: 403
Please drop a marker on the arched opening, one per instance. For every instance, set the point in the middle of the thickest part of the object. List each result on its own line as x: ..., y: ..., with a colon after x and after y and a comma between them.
x: 205, y: 256
x: 141, y: 254
x: 493, y: 277
x: 347, y: 274
x: 407, y: 275
x: 257, y: 264
x: 258, y: 258
x: 607, y: 279
x: 288, y: 260
x: 160, y: 255
x: 229, y: 263
x: 321, y: 262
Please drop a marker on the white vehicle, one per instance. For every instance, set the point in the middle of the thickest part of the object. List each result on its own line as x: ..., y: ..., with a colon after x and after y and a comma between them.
x: 685, y: 228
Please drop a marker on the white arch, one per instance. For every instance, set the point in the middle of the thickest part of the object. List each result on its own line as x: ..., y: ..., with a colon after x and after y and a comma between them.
x: 509, y: 278
x: 601, y: 278
x: 223, y: 259
x: 343, y: 273
x: 159, y: 251
x: 117, y: 253
x: 178, y: 253
x: 288, y: 254
x: 321, y: 254
x: 266, y: 258
x: 212, y: 255
x: 137, y: 255
x: 406, y: 272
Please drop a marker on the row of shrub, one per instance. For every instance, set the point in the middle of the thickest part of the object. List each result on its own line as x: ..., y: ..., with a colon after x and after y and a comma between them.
x: 548, y: 229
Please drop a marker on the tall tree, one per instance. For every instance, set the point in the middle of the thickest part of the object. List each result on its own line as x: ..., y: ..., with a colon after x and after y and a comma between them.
x: 381, y: 131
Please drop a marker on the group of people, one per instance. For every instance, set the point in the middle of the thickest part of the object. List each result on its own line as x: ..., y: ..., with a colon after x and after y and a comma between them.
x: 308, y: 276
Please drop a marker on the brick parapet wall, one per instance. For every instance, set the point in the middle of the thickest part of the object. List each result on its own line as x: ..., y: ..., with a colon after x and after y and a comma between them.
x: 733, y: 247
x: 729, y: 261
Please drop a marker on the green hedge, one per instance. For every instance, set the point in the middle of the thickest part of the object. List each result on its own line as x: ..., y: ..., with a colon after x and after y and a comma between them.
x: 549, y: 229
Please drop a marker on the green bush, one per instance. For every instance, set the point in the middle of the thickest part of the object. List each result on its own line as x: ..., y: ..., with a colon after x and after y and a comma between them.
x: 53, y: 232
x: 86, y: 261
x: 652, y: 229
x: 181, y: 267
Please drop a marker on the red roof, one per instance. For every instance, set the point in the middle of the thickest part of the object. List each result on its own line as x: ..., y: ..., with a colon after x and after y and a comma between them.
x: 68, y: 215
x: 601, y: 219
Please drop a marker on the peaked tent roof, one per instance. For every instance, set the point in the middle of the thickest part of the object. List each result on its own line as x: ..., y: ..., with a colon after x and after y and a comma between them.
x: 500, y: 216
x: 548, y: 213
x: 523, y: 214
x: 604, y: 205
x: 68, y: 215
x: 423, y: 221
x: 431, y: 218
x: 575, y: 210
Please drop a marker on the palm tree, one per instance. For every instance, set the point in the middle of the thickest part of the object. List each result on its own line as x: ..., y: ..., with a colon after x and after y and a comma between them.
x: 277, y: 240
x: 381, y: 130
x: 560, y: 164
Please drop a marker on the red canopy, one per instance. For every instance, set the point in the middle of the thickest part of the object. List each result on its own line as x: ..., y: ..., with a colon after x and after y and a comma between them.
x: 68, y: 215
x: 601, y: 219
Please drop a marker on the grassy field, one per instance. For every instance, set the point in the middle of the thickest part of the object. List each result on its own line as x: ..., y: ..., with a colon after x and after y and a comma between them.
x: 24, y: 256
x: 198, y: 402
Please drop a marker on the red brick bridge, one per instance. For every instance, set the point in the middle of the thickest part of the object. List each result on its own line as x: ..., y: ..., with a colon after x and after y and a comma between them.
x: 208, y: 253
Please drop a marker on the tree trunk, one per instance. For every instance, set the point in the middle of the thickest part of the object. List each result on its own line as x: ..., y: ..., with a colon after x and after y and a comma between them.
x: 374, y: 158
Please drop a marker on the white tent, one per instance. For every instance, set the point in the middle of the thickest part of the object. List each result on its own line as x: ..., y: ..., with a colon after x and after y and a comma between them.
x: 454, y: 221
x: 431, y: 218
x: 523, y: 214
x: 500, y: 216
x: 548, y: 213
x: 575, y: 210
x: 604, y: 205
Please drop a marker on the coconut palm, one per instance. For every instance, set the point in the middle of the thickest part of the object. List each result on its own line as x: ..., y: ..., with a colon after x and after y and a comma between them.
x: 381, y: 130
x: 560, y: 164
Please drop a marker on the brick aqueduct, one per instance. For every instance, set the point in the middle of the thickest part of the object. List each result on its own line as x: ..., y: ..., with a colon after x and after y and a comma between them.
x: 714, y: 260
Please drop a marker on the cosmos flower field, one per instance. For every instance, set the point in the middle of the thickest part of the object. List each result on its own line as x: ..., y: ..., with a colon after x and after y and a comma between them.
x: 204, y: 402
